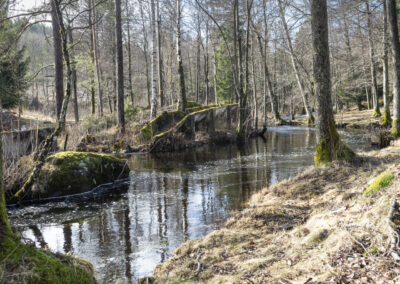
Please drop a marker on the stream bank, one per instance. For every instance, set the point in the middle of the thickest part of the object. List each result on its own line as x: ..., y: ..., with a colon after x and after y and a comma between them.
x: 318, y: 226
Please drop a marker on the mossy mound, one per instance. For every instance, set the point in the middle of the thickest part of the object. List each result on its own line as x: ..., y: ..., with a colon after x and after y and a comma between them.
x: 20, y: 263
x: 384, y: 180
x: 67, y: 173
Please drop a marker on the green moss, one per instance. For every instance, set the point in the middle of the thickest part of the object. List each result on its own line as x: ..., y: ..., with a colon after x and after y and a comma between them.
x: 395, y: 132
x: 88, y: 139
x: 332, y: 149
x: 153, y: 127
x: 386, y: 119
x: 119, y: 146
x: 377, y: 113
x: 20, y: 263
x: 385, y: 179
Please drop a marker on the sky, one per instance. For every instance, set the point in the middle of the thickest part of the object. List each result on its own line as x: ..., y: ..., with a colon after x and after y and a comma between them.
x: 27, y: 4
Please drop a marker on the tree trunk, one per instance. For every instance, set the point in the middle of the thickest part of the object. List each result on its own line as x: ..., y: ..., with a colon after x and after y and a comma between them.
x: 198, y: 43
x: 294, y: 64
x: 73, y: 75
x: 92, y: 67
x: 206, y: 69
x: 374, y: 86
x: 253, y: 74
x: 58, y: 60
x: 181, y: 75
x: 386, y: 119
x: 120, y: 68
x: 96, y: 58
x: 153, y: 108
x: 329, y: 147
x: 145, y: 51
x: 159, y: 58
x: 393, y: 22
x: 215, y: 63
x: 128, y: 15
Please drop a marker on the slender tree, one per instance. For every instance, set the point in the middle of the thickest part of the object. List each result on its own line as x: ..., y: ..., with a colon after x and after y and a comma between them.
x: 294, y: 63
x: 128, y: 15
x: 96, y: 56
x: 153, y: 107
x: 120, y: 68
x: 374, y: 85
x: 159, y: 58
x: 393, y: 22
x: 58, y: 60
x: 386, y: 119
x: 181, y: 75
x: 329, y: 147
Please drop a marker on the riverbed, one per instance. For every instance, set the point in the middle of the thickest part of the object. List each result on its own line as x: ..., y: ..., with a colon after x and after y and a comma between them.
x: 170, y: 198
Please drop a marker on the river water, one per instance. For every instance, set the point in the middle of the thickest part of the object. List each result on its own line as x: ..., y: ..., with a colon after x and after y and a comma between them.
x: 170, y: 198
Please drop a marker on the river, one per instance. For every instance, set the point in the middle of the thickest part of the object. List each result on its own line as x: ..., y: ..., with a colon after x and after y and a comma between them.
x: 170, y: 198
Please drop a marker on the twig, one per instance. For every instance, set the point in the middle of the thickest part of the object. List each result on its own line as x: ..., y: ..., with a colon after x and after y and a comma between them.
x: 198, y: 263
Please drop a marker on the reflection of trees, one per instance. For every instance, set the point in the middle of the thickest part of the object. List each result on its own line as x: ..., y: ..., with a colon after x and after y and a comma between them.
x: 67, y: 237
x: 38, y: 235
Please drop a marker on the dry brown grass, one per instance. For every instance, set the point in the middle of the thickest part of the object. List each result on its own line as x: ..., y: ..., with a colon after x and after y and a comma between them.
x: 316, y: 227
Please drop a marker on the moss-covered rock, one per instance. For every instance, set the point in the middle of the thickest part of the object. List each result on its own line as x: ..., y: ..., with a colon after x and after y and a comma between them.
x: 385, y: 179
x: 67, y: 173
x: 21, y: 263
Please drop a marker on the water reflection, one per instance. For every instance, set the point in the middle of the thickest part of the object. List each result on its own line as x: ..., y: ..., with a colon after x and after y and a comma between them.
x: 171, y: 198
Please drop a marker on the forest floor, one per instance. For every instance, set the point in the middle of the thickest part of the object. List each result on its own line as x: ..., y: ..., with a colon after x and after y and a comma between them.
x: 331, y: 224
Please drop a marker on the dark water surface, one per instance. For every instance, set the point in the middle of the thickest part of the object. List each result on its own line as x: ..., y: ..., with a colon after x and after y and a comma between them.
x: 170, y: 198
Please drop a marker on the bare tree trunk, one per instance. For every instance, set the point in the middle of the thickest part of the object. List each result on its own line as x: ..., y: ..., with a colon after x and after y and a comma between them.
x: 96, y: 58
x: 294, y: 64
x: 386, y: 119
x: 159, y: 58
x: 215, y: 63
x: 329, y: 146
x: 153, y: 107
x: 128, y: 15
x: 145, y: 51
x: 253, y: 74
x: 206, y: 69
x: 393, y: 22
x: 92, y: 66
x: 58, y: 60
x: 198, y: 43
x: 73, y: 75
x: 241, y: 129
x: 181, y: 75
x: 374, y: 86
x: 120, y: 68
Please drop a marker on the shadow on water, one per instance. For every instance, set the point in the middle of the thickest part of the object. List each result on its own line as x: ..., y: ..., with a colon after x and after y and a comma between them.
x: 172, y: 197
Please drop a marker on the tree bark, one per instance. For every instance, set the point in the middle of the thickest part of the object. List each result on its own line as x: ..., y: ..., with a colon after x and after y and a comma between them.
x: 145, y: 51
x: 393, y: 22
x: 181, y: 75
x: 120, y: 68
x: 159, y: 58
x: 96, y: 57
x: 129, y: 53
x: 58, y: 60
x: 73, y: 75
x: 386, y: 118
x: 153, y: 108
x: 92, y: 66
x: 329, y: 147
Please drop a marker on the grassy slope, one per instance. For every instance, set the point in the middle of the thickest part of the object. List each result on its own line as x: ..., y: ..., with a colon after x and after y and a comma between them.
x: 318, y: 225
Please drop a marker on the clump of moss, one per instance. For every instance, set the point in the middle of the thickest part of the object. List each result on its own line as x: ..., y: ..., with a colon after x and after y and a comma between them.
x: 20, y: 263
x: 384, y: 180
x: 332, y: 149
x: 88, y: 139
x: 395, y: 132
x: 377, y: 113
x: 386, y: 119
x: 156, y: 125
